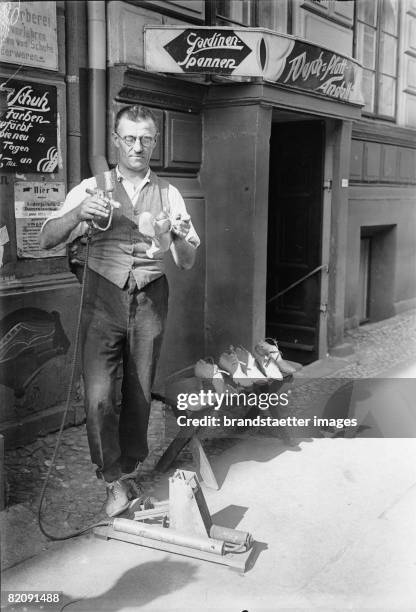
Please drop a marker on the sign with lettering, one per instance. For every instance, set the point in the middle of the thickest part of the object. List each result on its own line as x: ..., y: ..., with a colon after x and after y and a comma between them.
x: 318, y: 70
x: 208, y: 50
x: 34, y: 202
x: 28, y: 34
x: 28, y: 128
x: 254, y: 52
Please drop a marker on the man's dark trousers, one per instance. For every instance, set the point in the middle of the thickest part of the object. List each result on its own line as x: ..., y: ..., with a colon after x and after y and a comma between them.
x: 117, y: 324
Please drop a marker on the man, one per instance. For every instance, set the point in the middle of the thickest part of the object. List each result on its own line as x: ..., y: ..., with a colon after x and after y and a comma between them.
x: 126, y: 298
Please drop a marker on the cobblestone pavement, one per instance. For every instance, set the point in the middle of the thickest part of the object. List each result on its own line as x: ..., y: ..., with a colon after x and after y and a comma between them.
x: 75, y: 497
x: 378, y: 348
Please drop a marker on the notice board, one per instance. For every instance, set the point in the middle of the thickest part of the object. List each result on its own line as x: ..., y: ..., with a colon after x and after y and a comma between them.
x: 28, y: 128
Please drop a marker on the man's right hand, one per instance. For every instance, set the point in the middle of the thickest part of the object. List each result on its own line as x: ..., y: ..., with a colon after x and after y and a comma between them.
x: 93, y: 207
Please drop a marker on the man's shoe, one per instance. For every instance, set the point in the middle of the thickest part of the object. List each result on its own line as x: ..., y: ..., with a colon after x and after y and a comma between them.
x: 249, y: 365
x: 268, y: 366
x: 133, y: 486
x: 162, y: 228
x: 271, y: 350
x: 229, y: 362
x: 158, y: 229
x: 117, y: 500
x: 207, y: 370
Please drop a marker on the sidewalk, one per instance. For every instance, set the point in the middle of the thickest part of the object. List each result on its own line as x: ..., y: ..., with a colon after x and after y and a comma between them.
x: 345, y: 505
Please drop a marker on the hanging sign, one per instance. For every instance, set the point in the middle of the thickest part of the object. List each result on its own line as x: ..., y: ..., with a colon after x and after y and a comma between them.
x: 253, y: 52
x: 34, y: 202
x: 28, y: 128
x: 28, y: 34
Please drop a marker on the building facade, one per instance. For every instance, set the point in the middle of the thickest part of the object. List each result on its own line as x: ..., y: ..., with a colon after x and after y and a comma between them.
x: 287, y: 175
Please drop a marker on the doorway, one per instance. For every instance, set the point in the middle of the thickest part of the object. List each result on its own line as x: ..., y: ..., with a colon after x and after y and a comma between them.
x: 376, y: 273
x: 294, y: 237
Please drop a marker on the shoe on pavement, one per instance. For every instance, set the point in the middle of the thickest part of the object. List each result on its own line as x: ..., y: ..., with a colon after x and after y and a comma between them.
x: 117, y: 499
x: 134, y: 487
x: 229, y: 362
x: 249, y: 365
x: 271, y: 350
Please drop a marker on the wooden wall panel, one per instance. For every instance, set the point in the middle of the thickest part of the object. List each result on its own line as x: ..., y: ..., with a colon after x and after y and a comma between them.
x: 373, y: 162
x: 388, y: 163
x: 407, y: 165
x: 356, y: 163
x: 183, y: 143
x: 372, y: 155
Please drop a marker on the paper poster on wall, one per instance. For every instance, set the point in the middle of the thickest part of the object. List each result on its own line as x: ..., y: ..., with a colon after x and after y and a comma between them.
x: 28, y: 128
x: 33, y: 203
x: 28, y: 34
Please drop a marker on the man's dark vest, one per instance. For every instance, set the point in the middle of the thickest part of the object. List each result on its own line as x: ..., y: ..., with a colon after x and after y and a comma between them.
x: 122, y: 248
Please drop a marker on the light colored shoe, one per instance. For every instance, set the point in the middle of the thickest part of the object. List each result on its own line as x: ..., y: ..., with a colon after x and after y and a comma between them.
x: 162, y: 227
x: 146, y: 224
x: 207, y: 370
x: 229, y: 362
x: 269, y: 348
x: 117, y: 498
x: 249, y: 366
x: 162, y: 224
x: 158, y: 229
x: 268, y: 366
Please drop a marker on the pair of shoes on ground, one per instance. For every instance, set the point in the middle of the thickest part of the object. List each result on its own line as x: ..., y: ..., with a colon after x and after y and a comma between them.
x: 120, y: 493
x: 244, y: 368
x: 235, y: 363
x: 241, y: 366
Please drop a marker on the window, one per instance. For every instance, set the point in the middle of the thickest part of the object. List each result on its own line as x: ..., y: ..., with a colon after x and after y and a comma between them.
x: 235, y: 12
x: 271, y: 14
x: 377, y: 33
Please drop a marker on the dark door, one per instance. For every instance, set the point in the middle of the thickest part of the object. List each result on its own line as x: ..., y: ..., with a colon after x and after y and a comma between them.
x: 294, y: 237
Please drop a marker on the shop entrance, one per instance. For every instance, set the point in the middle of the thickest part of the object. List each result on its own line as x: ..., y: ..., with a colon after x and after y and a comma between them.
x: 294, y: 237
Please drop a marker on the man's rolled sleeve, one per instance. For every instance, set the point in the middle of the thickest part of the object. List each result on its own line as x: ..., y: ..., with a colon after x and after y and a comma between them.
x: 72, y: 200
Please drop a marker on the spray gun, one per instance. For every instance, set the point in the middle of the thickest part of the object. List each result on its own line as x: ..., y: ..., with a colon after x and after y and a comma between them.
x: 106, y: 195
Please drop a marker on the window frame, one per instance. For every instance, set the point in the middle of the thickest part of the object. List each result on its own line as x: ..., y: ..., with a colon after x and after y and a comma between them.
x: 215, y: 18
x: 377, y: 71
x: 212, y: 16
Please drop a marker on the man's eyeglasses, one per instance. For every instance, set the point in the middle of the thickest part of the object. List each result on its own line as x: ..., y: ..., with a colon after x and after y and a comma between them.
x: 145, y: 141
